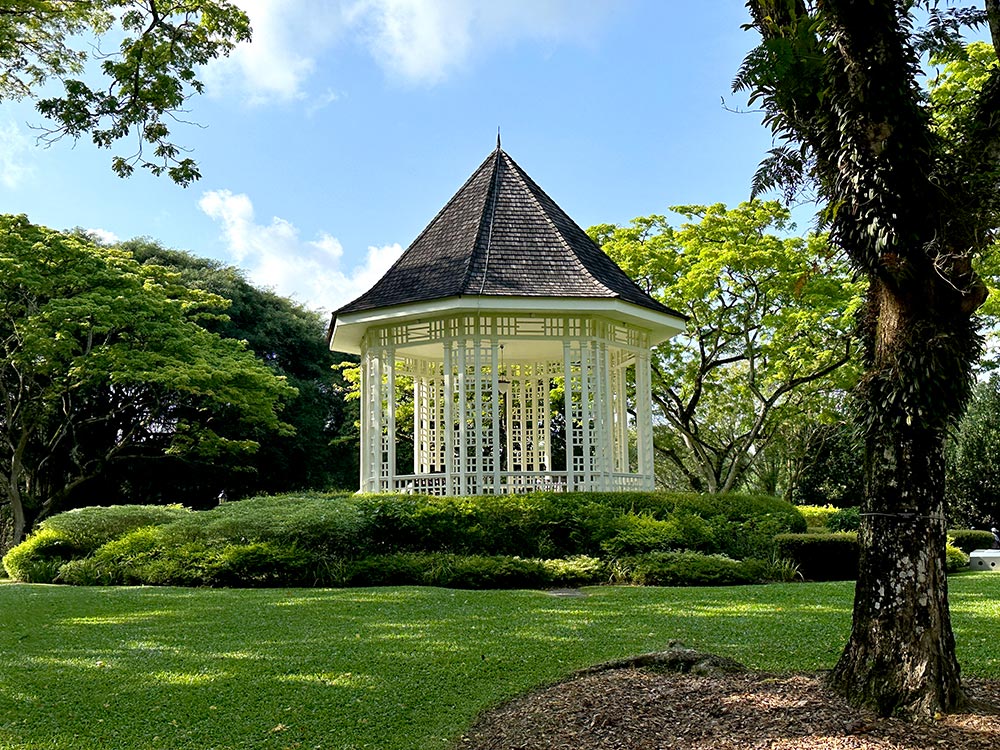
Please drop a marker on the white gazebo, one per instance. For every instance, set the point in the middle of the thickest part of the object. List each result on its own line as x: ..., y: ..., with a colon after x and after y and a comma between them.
x: 525, y: 349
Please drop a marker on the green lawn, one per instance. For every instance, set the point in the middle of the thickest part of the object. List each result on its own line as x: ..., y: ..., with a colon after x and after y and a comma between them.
x: 390, y: 668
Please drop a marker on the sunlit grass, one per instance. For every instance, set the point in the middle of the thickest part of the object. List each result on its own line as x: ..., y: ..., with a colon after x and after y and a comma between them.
x: 386, y: 668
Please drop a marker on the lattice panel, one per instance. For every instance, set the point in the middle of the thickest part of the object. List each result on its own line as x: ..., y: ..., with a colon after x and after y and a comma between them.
x: 483, y: 425
x: 528, y: 418
x: 473, y: 432
x: 430, y: 437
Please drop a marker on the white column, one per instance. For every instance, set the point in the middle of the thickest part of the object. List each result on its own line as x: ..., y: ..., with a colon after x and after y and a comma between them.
x: 568, y: 407
x: 480, y: 439
x: 644, y: 418
x: 447, y: 426
x: 371, y: 419
x: 495, y: 404
x: 390, y: 418
x: 367, y: 457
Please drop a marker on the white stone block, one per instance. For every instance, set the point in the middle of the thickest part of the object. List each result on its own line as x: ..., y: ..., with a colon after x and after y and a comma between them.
x: 985, y: 559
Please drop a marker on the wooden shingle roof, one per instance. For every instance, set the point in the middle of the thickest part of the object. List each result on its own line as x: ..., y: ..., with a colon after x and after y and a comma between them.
x: 501, y: 236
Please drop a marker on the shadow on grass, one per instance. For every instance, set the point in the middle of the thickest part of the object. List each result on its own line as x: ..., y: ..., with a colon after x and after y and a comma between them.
x: 386, y: 668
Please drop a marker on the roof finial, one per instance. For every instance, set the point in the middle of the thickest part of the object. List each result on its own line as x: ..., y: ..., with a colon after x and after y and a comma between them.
x: 498, y: 137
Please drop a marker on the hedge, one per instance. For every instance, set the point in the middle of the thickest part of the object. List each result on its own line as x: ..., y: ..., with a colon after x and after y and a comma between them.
x: 834, y: 556
x: 313, y: 538
x: 688, y: 569
x: 969, y: 540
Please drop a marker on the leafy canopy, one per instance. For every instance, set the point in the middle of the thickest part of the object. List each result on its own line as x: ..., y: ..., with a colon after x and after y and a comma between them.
x: 141, y: 88
x: 102, y: 358
x: 770, y: 317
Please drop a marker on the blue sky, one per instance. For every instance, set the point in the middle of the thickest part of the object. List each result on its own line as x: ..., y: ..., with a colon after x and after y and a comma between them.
x: 328, y: 143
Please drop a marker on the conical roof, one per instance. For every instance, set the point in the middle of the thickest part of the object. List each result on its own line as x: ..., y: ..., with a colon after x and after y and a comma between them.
x: 502, y: 236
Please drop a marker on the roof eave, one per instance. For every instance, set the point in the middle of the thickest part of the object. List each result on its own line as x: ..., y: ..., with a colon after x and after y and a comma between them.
x: 348, y: 329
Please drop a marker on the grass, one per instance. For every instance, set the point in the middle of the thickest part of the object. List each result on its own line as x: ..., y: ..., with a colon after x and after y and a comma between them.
x: 393, y: 668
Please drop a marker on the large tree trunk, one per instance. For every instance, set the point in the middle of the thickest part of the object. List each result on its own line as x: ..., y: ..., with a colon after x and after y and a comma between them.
x: 900, y: 658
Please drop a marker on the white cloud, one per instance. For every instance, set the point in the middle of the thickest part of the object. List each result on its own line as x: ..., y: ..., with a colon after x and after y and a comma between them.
x: 287, y: 37
x: 416, y: 41
x: 424, y: 41
x: 14, y: 150
x: 103, y: 236
x: 275, y: 257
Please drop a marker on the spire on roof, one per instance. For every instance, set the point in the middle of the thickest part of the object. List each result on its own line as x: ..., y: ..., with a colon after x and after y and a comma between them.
x: 498, y: 137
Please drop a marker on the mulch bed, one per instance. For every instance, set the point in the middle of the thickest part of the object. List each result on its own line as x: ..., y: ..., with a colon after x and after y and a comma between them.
x: 629, y: 707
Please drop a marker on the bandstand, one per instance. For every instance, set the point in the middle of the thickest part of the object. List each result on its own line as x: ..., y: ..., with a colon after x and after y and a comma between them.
x: 525, y: 349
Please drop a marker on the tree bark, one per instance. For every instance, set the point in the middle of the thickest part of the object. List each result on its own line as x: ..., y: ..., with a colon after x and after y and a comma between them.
x: 900, y: 659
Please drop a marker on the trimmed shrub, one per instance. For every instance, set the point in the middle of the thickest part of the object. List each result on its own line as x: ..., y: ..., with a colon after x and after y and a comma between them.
x: 968, y: 540
x: 687, y: 569
x: 955, y: 559
x: 311, y: 538
x: 639, y: 533
x: 579, y: 570
x: 119, y: 562
x: 38, y: 558
x: 260, y: 564
x: 89, y: 528
x: 332, y: 524
x: 845, y: 519
x: 470, y: 571
x: 821, y: 557
x: 148, y: 557
x: 817, y: 516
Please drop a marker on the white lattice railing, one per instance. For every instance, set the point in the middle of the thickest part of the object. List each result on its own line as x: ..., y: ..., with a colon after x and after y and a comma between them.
x: 511, y: 483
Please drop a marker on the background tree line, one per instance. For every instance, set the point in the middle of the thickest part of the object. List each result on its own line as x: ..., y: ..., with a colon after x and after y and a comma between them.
x: 137, y: 374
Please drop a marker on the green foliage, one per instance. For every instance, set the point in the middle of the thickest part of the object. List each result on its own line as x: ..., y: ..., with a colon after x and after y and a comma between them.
x: 103, y: 359
x: 142, y: 557
x: 548, y: 538
x: 687, y: 569
x: 821, y: 557
x: 845, y: 519
x: 86, y: 529
x: 38, y: 558
x: 328, y: 524
x: 973, y: 459
x: 141, y: 88
x: 832, y: 469
x: 472, y: 571
x: 643, y: 533
x: 322, y: 452
x: 783, y: 570
x: 955, y: 559
x: 968, y: 540
x: 816, y: 516
x: 770, y: 321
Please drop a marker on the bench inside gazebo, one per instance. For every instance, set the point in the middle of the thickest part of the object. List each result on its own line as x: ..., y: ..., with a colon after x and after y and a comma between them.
x: 526, y: 350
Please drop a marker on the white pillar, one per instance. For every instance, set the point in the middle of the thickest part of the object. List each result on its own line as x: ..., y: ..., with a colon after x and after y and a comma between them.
x: 447, y: 425
x: 389, y: 435
x: 644, y: 419
x: 568, y: 410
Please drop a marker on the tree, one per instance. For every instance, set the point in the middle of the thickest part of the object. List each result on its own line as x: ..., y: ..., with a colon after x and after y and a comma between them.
x: 770, y: 320
x: 838, y: 83
x: 103, y: 359
x: 827, y: 470
x: 973, y: 473
x: 142, y: 87
x: 291, y: 340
